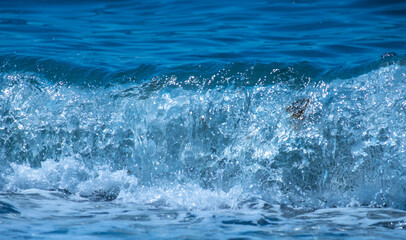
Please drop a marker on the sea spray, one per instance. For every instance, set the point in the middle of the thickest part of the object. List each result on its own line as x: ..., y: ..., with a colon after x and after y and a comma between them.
x: 310, y: 143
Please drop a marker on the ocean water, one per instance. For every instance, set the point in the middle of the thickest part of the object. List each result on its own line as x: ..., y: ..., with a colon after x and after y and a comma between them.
x: 202, y: 119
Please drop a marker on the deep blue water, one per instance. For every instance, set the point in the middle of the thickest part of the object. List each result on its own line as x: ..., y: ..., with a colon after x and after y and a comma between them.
x: 202, y: 119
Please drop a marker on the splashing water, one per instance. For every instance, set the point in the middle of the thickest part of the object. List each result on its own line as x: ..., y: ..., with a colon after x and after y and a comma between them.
x: 245, y: 130
x: 168, y: 119
x: 256, y: 144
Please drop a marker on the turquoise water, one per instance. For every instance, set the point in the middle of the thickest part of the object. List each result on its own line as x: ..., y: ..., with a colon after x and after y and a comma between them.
x: 202, y: 120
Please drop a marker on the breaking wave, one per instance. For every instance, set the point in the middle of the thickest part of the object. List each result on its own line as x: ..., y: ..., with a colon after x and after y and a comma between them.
x: 206, y: 136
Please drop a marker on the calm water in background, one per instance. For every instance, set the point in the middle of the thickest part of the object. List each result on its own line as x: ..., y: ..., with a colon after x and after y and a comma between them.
x: 125, y: 34
x: 203, y: 119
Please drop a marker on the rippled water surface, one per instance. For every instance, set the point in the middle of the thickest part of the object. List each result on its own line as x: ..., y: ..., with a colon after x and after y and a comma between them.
x: 202, y: 119
x: 51, y: 216
x: 124, y: 34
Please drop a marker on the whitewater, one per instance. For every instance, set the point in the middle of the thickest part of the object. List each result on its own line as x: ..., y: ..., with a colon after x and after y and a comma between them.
x: 171, y: 119
x: 259, y: 145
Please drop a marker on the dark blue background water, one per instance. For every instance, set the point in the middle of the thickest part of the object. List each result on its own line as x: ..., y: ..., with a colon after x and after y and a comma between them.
x: 203, y: 119
x: 124, y: 34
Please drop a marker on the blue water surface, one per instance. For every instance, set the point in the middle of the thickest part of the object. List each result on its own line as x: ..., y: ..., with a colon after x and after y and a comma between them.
x: 124, y: 34
x: 202, y: 119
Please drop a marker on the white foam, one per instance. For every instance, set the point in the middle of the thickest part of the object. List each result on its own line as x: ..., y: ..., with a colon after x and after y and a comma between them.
x: 185, y: 196
x: 71, y: 175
